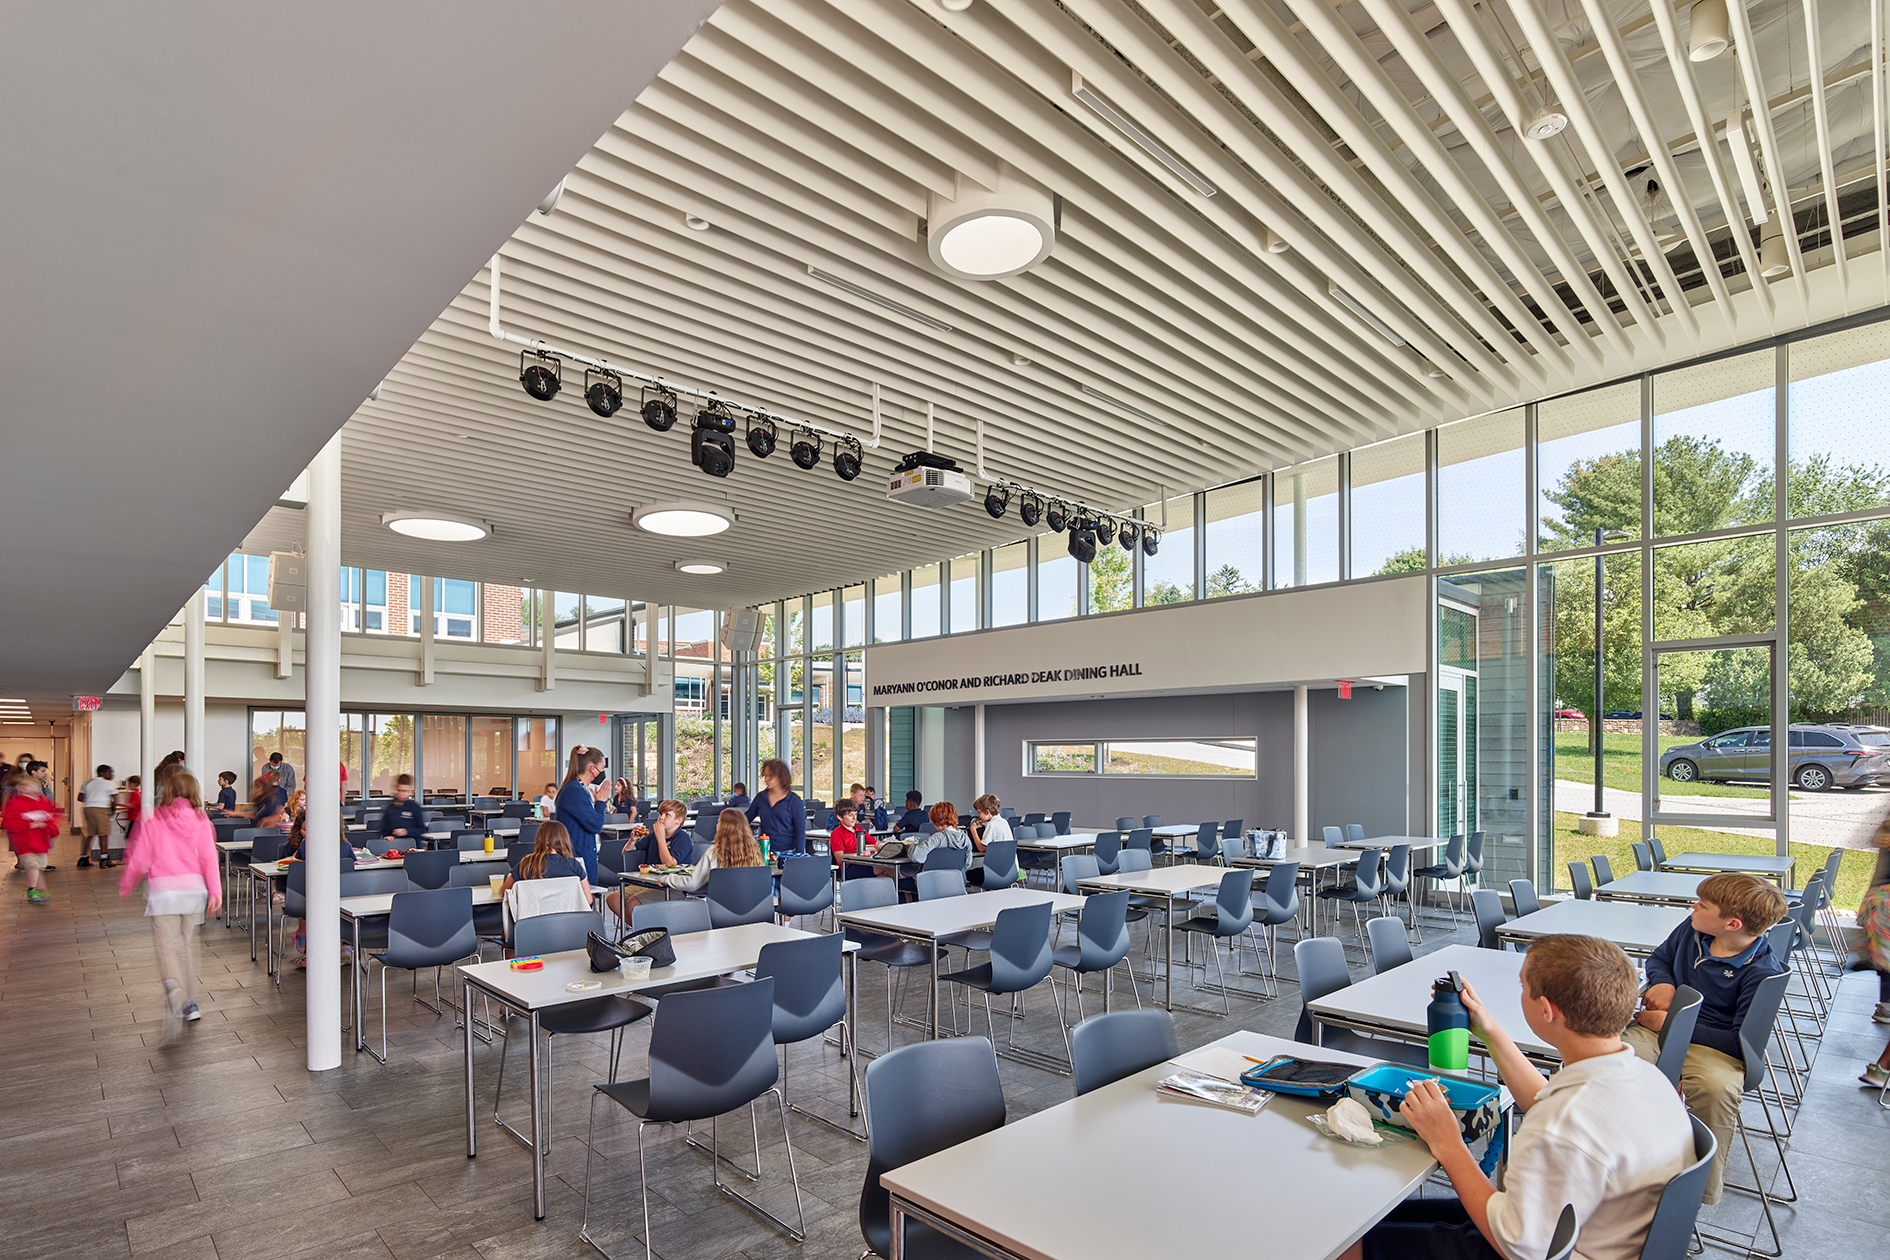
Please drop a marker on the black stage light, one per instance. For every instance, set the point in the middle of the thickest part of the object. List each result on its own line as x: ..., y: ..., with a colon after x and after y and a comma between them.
x: 1126, y: 536
x: 847, y: 458
x: 541, y: 374
x: 1058, y: 516
x: 806, y: 449
x: 1105, y: 530
x: 712, y: 441
x: 1082, y: 543
x: 1030, y: 509
x: 659, y: 409
x: 1151, y: 540
x: 761, y: 436
x: 996, y: 499
x: 603, y: 391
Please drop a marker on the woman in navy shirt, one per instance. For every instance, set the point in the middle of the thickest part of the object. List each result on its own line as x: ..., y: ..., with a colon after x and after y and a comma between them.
x: 581, y: 804
x: 777, y: 814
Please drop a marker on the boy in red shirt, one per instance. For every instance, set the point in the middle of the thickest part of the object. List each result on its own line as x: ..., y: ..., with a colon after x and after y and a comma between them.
x: 847, y: 839
x: 30, y: 820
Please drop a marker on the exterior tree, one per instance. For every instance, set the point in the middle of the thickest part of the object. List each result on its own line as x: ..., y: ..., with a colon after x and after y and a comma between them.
x: 1111, y: 581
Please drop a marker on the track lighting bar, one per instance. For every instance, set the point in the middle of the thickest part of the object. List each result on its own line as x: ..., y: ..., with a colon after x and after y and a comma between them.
x: 545, y: 350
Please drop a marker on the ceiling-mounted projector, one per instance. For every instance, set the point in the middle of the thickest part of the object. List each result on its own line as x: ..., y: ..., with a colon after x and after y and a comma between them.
x: 923, y: 479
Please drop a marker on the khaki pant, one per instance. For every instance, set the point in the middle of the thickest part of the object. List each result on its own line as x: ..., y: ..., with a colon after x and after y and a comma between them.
x: 1712, y: 1083
x: 176, y: 939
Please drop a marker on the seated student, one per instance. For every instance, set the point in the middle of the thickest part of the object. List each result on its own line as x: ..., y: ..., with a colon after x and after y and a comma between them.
x: 874, y: 810
x: 402, y: 818
x: 738, y: 797
x: 846, y: 839
x: 1722, y: 952
x: 1603, y: 1135
x: 550, y: 858
x: 548, y: 803
x: 948, y: 835
x: 914, y: 817
x: 650, y: 845
x: 987, y: 826
x: 226, y: 791
x: 734, y: 845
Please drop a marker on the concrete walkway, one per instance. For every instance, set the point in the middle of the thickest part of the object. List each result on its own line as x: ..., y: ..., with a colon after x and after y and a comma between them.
x: 1839, y: 819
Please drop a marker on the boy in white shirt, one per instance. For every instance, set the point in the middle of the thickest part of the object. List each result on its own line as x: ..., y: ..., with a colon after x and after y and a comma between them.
x: 96, y: 799
x: 1604, y: 1134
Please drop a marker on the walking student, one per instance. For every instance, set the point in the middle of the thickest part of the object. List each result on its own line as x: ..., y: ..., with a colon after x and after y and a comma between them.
x: 176, y: 860
x: 30, y: 821
x: 95, y: 797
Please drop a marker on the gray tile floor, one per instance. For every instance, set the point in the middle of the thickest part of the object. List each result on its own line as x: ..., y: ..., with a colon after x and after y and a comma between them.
x: 225, y: 1146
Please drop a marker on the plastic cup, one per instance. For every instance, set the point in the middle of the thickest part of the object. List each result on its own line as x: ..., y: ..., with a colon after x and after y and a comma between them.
x: 636, y: 967
x: 498, y: 884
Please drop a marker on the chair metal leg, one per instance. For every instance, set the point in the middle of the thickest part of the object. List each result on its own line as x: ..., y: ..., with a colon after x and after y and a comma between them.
x: 798, y: 1235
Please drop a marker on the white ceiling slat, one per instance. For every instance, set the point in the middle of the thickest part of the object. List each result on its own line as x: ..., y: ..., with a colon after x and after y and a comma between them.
x: 1420, y: 55
x: 1814, y: 52
x: 1473, y: 39
x: 1269, y: 34
x: 1358, y: 264
x: 1688, y: 85
x: 985, y: 321
x: 1309, y: 329
x: 1582, y: 122
x: 1629, y: 85
x: 813, y: 133
x: 1747, y: 56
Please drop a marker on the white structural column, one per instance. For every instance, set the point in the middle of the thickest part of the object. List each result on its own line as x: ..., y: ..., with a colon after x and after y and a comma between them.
x: 548, y: 644
x: 426, y: 630
x: 977, y: 751
x: 321, y: 775
x: 1302, y: 767
x: 194, y: 751
x: 147, y: 733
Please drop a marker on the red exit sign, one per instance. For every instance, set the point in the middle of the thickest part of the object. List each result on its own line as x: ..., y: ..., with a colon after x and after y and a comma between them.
x: 85, y: 704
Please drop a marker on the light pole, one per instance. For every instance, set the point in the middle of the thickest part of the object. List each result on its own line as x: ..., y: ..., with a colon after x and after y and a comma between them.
x: 1601, y: 537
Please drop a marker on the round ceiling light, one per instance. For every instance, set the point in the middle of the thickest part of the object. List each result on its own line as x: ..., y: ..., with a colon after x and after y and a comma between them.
x: 701, y: 568
x: 987, y: 234
x: 682, y: 520
x: 1545, y: 122
x: 436, y: 526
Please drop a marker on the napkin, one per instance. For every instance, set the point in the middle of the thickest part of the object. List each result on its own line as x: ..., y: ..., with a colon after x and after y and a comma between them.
x: 1349, y: 1119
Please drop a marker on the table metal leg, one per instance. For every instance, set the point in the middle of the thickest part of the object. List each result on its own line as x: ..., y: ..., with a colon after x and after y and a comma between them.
x: 538, y: 1124
x: 1168, y: 955
x: 896, y: 1217
x: 251, y: 900
x: 935, y: 992
x: 851, y: 1049
x: 472, y: 1135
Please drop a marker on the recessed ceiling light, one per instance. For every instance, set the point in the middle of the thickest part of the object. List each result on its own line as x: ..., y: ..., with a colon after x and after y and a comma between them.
x: 1351, y: 304
x: 1020, y: 360
x: 1274, y: 244
x: 1128, y: 127
x: 701, y: 568
x: 436, y: 526
x: 1545, y: 122
x: 682, y: 520
x: 987, y: 234
x: 695, y: 223
x: 1128, y: 407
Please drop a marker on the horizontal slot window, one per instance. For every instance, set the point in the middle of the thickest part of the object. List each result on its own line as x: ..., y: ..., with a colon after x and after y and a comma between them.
x: 1147, y: 758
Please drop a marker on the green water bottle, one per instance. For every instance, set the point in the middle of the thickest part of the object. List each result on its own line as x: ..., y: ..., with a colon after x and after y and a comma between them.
x: 1449, y: 1025
x: 764, y: 850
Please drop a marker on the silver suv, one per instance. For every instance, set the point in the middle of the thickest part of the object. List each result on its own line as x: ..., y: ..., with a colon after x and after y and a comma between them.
x: 1823, y: 756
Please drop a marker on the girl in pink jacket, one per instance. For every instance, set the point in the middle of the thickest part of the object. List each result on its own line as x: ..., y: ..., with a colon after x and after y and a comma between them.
x: 175, y: 856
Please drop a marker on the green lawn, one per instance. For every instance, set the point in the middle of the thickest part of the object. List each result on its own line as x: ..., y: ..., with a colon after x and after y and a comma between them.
x: 1572, y: 846
x: 1621, y: 765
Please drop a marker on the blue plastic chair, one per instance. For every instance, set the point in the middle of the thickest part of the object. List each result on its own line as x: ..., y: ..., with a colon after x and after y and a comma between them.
x: 920, y: 1100
x: 1233, y: 917
x: 556, y: 934
x: 1151, y: 820
x: 1523, y: 893
x: 891, y: 952
x: 1367, y: 886
x: 1354, y: 832
x: 1233, y: 827
x: 933, y: 884
x: 1391, y: 947
x: 1061, y: 821
x: 425, y: 929
x: 1105, y: 1048
x: 430, y: 868
x: 1140, y: 838
x: 1579, y: 881
x: 1000, y: 865
x: 739, y: 894
x: 1451, y: 868
x: 1102, y: 942
x: 809, y: 998
x: 1108, y: 844
x: 1334, y: 836
x: 1207, y: 842
x: 711, y: 1052
x: 1125, y: 823
x: 1320, y: 961
x: 806, y: 886
x: 1019, y: 959
x: 1279, y: 903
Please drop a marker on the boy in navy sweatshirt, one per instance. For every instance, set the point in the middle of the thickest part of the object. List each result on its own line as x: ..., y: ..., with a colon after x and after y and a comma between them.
x: 1722, y: 952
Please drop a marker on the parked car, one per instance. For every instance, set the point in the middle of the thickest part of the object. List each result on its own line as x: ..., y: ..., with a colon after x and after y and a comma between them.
x: 1574, y: 714
x: 1634, y: 716
x: 1822, y: 756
